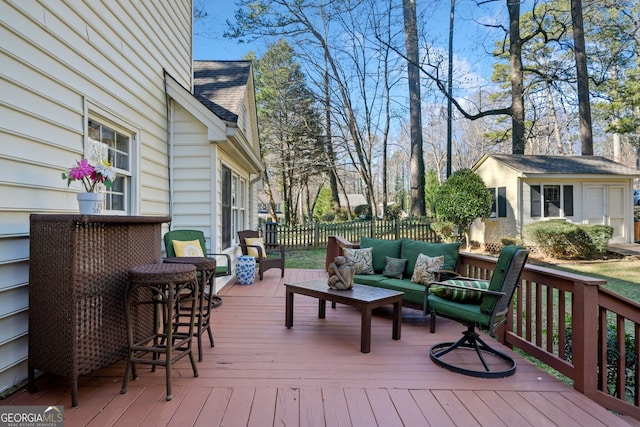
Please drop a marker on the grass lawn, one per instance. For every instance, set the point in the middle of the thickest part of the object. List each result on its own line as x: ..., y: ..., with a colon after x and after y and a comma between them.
x: 305, y: 258
x: 622, y: 275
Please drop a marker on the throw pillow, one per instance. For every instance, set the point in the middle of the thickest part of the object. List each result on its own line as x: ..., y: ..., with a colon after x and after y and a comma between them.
x: 188, y: 248
x: 361, y: 259
x: 255, y: 241
x: 425, y: 266
x: 466, y: 296
x: 394, y: 267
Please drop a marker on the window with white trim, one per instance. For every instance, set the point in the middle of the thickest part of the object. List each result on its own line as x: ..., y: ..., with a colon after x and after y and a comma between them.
x: 234, y: 205
x: 107, y: 141
x: 498, y: 202
x: 552, y: 200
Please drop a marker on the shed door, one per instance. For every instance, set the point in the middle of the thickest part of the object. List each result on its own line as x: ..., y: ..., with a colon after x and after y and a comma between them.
x: 605, y: 204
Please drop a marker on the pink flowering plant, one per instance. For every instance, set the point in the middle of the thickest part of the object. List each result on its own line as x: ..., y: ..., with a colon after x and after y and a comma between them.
x: 91, y: 175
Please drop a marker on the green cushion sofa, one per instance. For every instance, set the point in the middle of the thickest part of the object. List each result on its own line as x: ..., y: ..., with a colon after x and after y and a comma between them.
x: 404, y: 249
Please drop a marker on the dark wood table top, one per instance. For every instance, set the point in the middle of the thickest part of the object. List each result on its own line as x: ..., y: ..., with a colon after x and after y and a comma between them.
x: 359, y: 292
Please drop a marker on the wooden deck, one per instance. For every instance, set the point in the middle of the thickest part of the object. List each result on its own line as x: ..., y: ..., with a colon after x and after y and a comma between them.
x: 260, y: 373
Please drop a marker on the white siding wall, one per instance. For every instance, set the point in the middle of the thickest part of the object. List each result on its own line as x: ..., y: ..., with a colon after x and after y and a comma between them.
x: 60, y: 59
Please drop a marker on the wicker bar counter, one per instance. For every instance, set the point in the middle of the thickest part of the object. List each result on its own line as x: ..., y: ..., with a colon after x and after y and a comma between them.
x: 78, y: 271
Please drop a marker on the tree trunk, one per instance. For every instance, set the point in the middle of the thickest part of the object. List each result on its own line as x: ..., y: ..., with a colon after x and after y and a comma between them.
x: 328, y: 144
x: 450, y: 89
x: 584, y: 107
x: 417, y: 158
x: 517, y: 97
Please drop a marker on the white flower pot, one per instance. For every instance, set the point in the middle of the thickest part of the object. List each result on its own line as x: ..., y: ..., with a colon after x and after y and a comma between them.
x: 90, y: 203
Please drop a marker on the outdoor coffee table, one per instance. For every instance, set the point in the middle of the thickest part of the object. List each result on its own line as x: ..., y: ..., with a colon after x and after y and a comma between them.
x: 363, y: 297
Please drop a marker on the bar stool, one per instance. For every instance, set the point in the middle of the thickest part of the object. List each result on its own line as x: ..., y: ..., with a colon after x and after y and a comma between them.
x: 207, y: 269
x: 156, y: 287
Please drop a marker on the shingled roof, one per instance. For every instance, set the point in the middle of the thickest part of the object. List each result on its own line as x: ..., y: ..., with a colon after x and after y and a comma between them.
x: 221, y: 86
x: 571, y: 165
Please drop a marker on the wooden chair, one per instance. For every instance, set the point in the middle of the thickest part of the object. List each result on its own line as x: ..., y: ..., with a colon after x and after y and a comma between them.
x: 488, y: 311
x: 256, y: 248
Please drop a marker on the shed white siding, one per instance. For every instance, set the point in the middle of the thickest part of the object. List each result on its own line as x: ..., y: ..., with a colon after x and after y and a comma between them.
x: 613, y: 207
x: 62, y: 61
x: 495, y: 175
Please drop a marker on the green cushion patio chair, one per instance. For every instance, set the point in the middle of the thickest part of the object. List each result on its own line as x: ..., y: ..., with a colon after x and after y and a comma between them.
x: 222, y: 268
x: 479, y: 303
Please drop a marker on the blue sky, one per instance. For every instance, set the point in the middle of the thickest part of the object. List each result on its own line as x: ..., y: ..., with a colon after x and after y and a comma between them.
x: 210, y: 45
x: 471, y: 61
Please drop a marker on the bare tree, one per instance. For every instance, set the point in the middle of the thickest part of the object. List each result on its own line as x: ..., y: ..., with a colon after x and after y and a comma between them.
x: 413, y: 71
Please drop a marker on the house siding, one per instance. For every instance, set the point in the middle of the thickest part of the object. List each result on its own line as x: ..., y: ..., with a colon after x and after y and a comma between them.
x: 60, y: 60
x: 192, y: 184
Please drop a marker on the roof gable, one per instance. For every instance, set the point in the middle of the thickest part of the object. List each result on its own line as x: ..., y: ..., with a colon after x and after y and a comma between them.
x: 222, y: 86
x: 566, y: 165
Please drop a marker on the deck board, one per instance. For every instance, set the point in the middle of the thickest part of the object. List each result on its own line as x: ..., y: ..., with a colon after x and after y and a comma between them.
x: 261, y: 373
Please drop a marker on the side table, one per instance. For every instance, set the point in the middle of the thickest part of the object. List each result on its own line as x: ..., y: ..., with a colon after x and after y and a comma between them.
x: 245, y: 270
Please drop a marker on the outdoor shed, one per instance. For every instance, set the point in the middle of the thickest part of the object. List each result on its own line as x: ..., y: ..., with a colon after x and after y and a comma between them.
x: 578, y: 189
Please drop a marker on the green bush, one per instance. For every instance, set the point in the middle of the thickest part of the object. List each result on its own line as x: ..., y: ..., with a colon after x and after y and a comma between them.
x: 600, y: 236
x: 445, y: 230
x: 461, y: 199
x: 506, y: 241
x: 568, y: 240
x: 362, y: 211
x: 342, y: 215
x: 393, y: 211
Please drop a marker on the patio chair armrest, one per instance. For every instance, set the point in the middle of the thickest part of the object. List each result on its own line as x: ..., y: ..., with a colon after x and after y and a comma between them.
x: 438, y: 274
x: 228, y: 260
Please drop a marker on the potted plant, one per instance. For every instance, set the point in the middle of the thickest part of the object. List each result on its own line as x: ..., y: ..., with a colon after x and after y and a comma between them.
x: 90, y: 201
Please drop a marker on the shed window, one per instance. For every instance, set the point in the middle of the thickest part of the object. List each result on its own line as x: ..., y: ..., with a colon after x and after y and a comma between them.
x: 551, y: 201
x: 498, y: 202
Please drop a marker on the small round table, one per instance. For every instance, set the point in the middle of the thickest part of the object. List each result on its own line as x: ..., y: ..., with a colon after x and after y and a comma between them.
x: 245, y: 270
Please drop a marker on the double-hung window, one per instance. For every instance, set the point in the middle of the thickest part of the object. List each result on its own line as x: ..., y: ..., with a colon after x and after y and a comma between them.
x: 552, y: 201
x: 112, y: 143
x: 498, y: 202
x: 234, y: 201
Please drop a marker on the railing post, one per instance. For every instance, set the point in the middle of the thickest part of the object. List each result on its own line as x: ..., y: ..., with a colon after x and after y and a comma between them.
x: 584, y: 339
x: 332, y: 251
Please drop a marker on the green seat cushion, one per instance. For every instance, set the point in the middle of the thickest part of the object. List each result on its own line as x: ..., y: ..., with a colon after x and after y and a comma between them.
x: 413, y: 292
x: 410, y: 249
x: 448, y: 308
x: 368, y: 279
x: 221, y: 270
x: 465, y: 296
x: 381, y: 250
